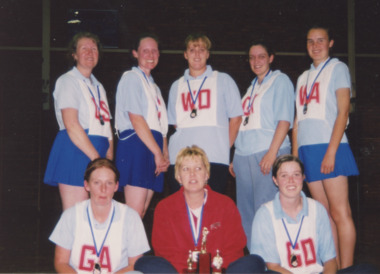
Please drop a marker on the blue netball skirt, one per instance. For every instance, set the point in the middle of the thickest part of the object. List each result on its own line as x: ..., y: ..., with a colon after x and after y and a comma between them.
x: 67, y: 163
x: 135, y: 162
x: 312, y: 156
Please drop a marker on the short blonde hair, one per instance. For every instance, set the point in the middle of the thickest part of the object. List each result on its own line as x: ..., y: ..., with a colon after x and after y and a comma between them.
x: 195, y: 37
x: 193, y: 151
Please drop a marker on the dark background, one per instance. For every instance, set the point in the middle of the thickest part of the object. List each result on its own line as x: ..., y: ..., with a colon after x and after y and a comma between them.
x: 29, y: 209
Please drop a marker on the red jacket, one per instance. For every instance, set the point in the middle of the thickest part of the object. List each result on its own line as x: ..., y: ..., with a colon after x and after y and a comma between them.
x: 172, y: 237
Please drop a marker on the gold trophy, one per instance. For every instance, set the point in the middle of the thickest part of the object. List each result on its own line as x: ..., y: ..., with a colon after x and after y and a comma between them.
x: 204, y: 259
x: 217, y: 263
x: 190, y: 262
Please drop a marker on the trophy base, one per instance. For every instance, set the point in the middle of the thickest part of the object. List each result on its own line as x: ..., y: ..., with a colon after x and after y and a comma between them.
x: 189, y: 271
x: 219, y: 271
x: 204, y: 263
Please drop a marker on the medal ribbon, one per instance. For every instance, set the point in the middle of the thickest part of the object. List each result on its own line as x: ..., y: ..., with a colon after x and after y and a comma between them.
x: 195, y: 231
x: 196, y: 96
x: 97, y: 104
x: 105, y: 237
x: 298, y: 233
x: 156, y: 100
x: 315, y: 79
x: 253, y: 87
x: 146, y: 78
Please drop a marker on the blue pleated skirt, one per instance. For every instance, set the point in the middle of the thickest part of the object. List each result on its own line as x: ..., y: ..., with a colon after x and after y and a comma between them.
x: 312, y: 156
x: 135, y: 162
x: 67, y: 163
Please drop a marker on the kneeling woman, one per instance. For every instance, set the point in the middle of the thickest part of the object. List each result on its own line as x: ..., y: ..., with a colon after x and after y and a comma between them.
x: 180, y: 219
x: 99, y: 233
x: 292, y: 233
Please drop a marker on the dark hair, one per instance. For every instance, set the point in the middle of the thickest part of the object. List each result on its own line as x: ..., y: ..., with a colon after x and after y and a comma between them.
x: 284, y: 159
x: 325, y: 28
x: 72, y: 48
x: 99, y: 163
x: 193, y: 37
x: 142, y: 36
x: 265, y: 44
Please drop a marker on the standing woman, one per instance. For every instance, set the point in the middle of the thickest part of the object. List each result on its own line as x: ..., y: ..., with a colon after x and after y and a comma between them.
x: 268, y: 109
x: 322, y: 103
x: 204, y: 107
x: 142, y: 153
x: 83, y: 117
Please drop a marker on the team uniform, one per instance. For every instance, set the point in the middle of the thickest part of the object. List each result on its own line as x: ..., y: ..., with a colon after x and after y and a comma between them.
x: 315, y: 126
x: 138, y: 94
x: 67, y: 162
x: 126, y: 237
x: 264, y: 105
x: 172, y: 236
x: 217, y: 99
x: 274, y: 236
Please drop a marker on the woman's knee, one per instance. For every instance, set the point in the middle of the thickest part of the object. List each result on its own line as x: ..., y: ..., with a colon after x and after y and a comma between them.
x: 248, y: 264
x: 341, y: 214
x: 154, y: 264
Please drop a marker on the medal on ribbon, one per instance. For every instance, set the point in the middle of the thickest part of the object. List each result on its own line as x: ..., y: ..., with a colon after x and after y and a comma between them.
x: 154, y: 96
x: 312, y: 85
x: 293, y: 258
x: 252, y: 97
x: 97, y: 265
x: 193, y: 113
x: 101, y: 119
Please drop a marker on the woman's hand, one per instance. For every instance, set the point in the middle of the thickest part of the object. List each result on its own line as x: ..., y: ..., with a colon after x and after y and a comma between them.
x: 231, y: 170
x: 279, y: 136
x: 61, y: 260
x: 328, y: 163
x: 343, y: 103
x: 77, y: 134
x: 266, y: 162
x: 144, y: 133
x: 162, y: 163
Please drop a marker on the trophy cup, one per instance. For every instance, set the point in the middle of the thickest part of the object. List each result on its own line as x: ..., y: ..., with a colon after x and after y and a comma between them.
x: 204, y: 257
x: 217, y: 263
